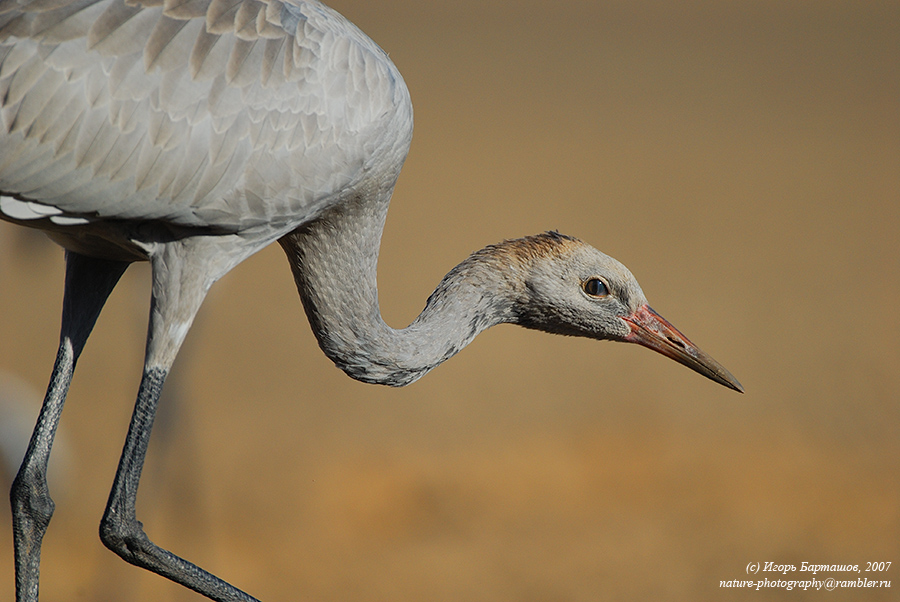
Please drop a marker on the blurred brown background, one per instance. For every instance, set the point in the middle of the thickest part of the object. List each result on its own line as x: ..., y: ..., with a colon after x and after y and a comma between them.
x: 742, y: 158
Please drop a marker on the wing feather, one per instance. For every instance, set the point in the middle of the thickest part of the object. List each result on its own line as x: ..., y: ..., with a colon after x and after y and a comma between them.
x: 224, y: 143
x: 161, y: 49
x: 220, y: 16
x: 36, y: 99
x: 181, y: 97
x: 15, y: 57
x: 120, y: 29
x: 191, y: 167
x: 265, y: 28
x: 200, y: 56
x: 219, y: 177
x: 29, y: 163
x: 39, y: 5
x: 90, y: 136
x: 244, y: 64
x: 14, y: 25
x: 185, y: 9
x: 68, y: 57
x: 23, y: 79
x: 66, y: 23
x: 64, y: 122
x: 272, y: 76
x: 245, y: 20
x: 163, y: 131
x: 96, y: 87
x: 274, y: 9
x: 126, y: 168
x: 127, y: 79
x: 51, y: 111
x: 158, y: 168
x: 64, y: 182
x: 224, y: 99
x: 122, y: 151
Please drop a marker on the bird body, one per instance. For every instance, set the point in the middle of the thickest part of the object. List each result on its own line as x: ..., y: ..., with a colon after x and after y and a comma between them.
x: 232, y: 117
x: 193, y: 133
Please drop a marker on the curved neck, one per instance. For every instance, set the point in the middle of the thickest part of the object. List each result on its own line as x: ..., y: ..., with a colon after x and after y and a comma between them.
x: 334, y: 261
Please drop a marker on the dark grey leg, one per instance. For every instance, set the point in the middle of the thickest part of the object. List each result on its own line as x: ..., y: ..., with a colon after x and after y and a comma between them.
x: 89, y: 282
x: 178, y: 291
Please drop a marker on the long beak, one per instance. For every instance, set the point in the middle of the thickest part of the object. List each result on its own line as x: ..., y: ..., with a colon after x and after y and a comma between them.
x: 650, y: 329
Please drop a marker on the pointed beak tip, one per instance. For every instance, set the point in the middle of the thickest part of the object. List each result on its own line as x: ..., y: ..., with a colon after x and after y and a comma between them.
x: 653, y: 331
x: 733, y: 384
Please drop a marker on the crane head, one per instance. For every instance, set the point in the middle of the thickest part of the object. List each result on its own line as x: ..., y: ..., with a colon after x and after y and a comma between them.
x: 571, y: 288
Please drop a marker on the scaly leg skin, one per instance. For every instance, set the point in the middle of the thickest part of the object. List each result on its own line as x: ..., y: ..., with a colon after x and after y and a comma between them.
x: 89, y: 282
x: 178, y: 290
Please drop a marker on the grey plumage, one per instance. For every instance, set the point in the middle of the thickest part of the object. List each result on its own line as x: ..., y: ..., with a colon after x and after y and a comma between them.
x: 193, y: 133
x: 233, y: 114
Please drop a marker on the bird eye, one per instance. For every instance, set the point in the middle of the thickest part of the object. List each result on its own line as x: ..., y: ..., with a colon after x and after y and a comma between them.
x: 595, y: 287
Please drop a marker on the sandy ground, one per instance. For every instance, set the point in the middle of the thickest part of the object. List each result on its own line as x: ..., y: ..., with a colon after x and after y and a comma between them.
x: 742, y: 158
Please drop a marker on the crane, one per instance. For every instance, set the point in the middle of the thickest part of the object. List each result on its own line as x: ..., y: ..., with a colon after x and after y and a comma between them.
x: 193, y: 133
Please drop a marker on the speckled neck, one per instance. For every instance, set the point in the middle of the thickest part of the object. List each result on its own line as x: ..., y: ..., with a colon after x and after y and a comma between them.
x: 334, y: 261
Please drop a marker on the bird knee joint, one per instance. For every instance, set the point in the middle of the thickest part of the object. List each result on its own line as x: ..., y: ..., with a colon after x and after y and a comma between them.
x: 30, y: 497
x: 124, y: 537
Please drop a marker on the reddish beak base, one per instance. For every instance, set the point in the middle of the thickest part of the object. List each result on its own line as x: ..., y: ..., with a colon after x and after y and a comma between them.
x: 651, y: 330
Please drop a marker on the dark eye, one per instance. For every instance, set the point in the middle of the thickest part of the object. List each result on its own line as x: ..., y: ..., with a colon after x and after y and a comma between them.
x: 595, y: 287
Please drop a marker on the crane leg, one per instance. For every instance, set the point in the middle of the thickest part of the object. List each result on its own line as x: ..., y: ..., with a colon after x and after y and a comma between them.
x: 178, y: 290
x: 89, y: 282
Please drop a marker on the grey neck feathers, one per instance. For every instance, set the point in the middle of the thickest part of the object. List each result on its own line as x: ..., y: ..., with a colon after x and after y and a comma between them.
x: 334, y: 261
